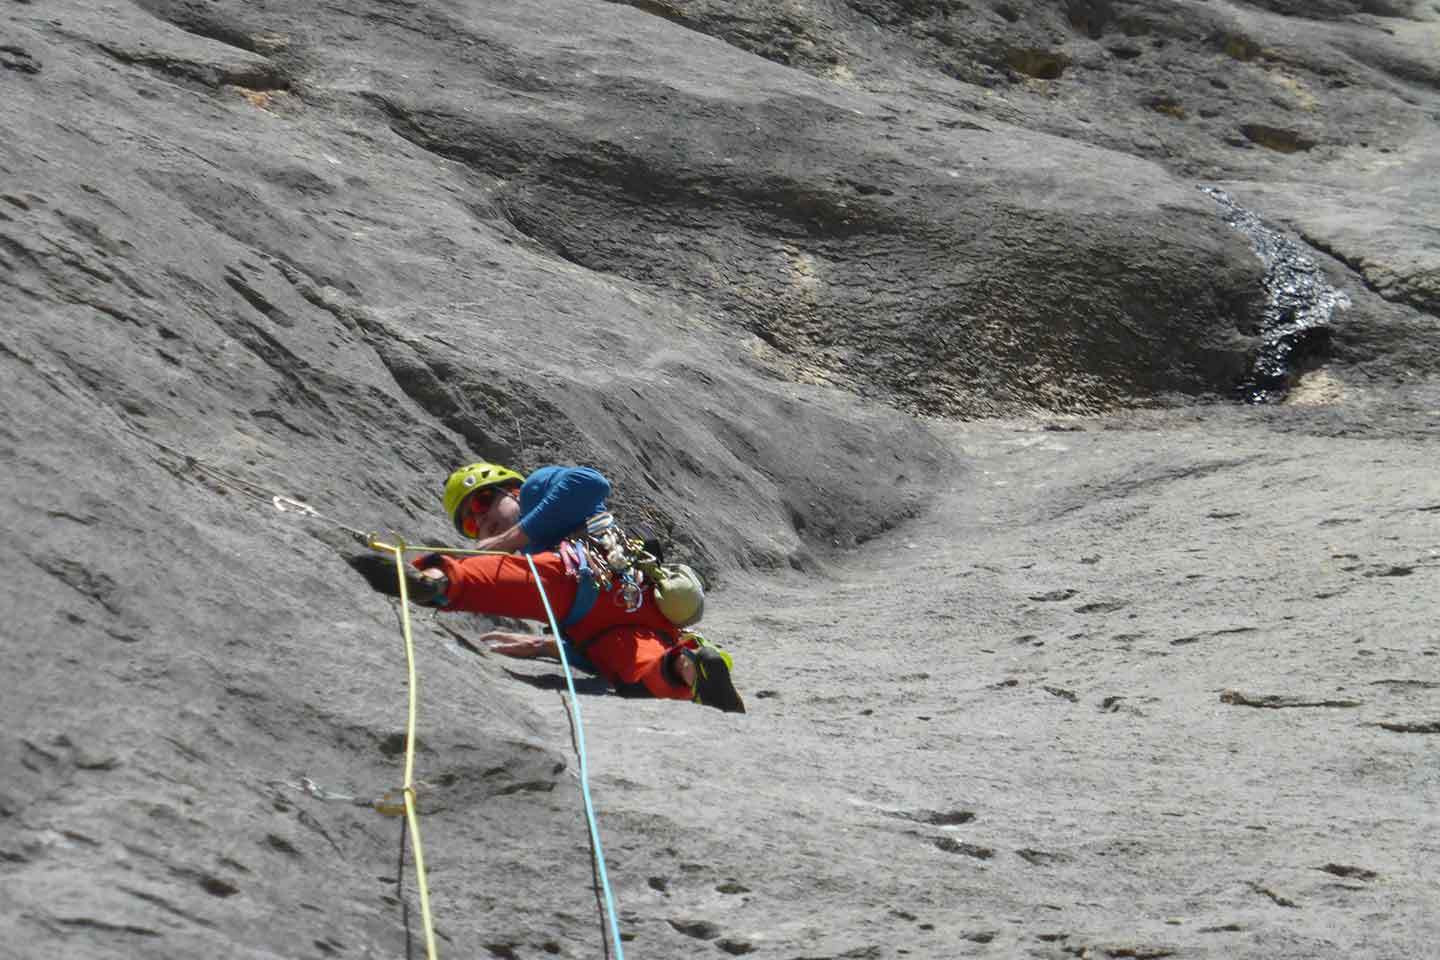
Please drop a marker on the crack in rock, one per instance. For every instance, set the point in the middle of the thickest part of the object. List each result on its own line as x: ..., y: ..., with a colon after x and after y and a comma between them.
x: 1195, y: 638
x: 1272, y: 895
x: 1042, y: 858
x: 158, y: 901
x: 1103, y: 606
x: 1280, y: 702
x: 1397, y: 727
x: 96, y: 586
x: 951, y: 845
x: 260, y: 76
x: 935, y: 818
x: 91, y: 923
x: 17, y: 59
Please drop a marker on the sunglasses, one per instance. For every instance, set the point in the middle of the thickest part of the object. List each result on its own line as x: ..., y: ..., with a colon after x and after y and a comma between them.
x: 473, y: 510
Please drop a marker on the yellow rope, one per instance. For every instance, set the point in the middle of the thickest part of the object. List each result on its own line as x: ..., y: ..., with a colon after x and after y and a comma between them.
x: 398, y: 551
x: 409, y: 788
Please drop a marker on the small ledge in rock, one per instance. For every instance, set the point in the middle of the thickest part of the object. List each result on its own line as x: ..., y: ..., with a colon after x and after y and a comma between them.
x: 1398, y: 727
x: 950, y: 845
x: 1104, y: 606
x: 1240, y: 47
x: 699, y: 929
x: 1168, y: 106
x: 1036, y: 63
x: 1273, y: 701
x: 1042, y: 858
x: 17, y: 59
x: 935, y: 818
x: 279, y: 843
x: 1276, y: 138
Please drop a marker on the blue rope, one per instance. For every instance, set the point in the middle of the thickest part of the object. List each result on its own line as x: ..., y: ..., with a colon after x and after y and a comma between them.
x: 584, y: 768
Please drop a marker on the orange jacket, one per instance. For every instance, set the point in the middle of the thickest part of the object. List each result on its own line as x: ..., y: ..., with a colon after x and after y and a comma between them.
x: 627, y: 648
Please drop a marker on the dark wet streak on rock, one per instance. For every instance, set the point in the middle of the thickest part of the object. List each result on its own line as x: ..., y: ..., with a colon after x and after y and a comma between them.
x: 1299, y: 304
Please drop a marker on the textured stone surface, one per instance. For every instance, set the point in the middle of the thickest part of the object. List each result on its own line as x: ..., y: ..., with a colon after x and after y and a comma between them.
x: 751, y: 259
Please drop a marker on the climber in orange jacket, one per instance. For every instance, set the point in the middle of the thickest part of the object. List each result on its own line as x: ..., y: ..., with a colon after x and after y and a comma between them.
x: 640, y: 652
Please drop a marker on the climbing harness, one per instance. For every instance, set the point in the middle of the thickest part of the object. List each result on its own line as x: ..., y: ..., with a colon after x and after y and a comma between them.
x: 604, y: 558
x: 577, y: 565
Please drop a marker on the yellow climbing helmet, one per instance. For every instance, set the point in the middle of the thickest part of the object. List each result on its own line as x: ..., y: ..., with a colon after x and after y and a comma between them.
x: 467, y: 480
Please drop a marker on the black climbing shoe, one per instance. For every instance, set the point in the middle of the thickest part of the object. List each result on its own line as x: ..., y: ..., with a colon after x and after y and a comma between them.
x: 712, y: 680
x: 379, y: 572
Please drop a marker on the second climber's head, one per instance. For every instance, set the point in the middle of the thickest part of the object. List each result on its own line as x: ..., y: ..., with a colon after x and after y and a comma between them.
x: 483, y: 499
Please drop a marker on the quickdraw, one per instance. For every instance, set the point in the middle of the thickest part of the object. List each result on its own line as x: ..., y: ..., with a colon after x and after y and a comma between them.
x: 604, y: 556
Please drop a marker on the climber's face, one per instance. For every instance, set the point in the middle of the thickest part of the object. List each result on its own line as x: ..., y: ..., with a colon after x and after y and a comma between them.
x: 489, y: 513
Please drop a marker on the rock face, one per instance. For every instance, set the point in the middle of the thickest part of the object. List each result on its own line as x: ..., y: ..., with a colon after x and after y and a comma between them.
x: 750, y: 259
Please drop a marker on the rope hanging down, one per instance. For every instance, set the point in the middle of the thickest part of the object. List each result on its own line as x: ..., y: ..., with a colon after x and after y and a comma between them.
x: 584, y: 768
x: 398, y: 550
x: 408, y: 788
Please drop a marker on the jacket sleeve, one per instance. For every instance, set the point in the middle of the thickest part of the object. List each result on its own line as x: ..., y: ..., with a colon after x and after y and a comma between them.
x: 572, y: 496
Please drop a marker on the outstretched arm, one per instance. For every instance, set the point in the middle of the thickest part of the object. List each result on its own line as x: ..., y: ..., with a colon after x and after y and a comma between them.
x: 507, y: 542
x: 523, y: 645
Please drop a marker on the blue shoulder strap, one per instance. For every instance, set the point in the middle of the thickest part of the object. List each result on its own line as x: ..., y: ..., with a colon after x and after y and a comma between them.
x: 585, y: 596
